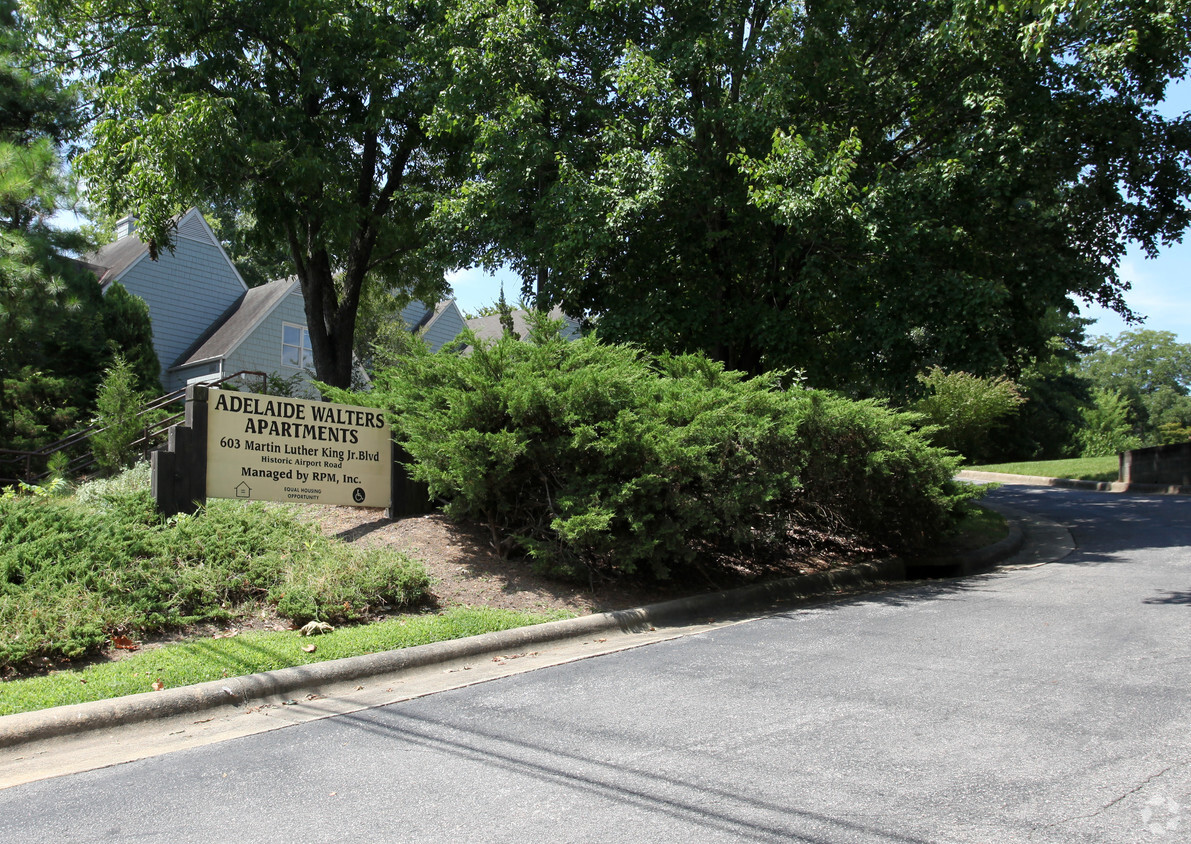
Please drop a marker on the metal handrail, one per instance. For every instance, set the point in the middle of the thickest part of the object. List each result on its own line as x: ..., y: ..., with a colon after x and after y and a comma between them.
x: 152, y: 434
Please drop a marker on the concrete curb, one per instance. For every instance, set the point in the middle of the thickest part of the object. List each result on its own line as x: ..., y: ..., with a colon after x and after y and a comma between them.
x: 238, y: 691
x: 1069, y: 483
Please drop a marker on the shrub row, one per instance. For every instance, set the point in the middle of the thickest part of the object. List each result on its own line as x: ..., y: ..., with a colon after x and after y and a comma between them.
x: 597, y: 457
x: 75, y: 571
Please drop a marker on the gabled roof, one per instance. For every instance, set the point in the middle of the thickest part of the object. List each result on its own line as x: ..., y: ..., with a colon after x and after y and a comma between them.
x: 237, y: 322
x: 489, y: 327
x: 432, y: 317
x: 419, y: 316
x: 111, y: 261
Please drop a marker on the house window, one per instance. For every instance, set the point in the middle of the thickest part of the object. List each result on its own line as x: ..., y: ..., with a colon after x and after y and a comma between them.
x: 295, y: 347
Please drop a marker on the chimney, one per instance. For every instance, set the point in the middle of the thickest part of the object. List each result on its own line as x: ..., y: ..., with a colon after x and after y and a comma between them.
x: 125, y: 226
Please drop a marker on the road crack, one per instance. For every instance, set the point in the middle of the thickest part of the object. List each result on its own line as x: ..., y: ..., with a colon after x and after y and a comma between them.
x: 1145, y: 782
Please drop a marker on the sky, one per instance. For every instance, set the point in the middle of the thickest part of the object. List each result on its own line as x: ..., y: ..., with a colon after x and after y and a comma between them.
x: 1160, y: 287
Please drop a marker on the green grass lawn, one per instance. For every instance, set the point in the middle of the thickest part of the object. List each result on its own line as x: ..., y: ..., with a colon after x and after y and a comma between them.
x: 248, y: 653
x: 1079, y: 468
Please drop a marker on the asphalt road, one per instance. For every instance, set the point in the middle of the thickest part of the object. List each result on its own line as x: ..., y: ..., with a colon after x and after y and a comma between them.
x: 1046, y: 703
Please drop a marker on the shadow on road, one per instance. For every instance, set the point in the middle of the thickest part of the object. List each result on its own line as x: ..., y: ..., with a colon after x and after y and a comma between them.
x: 1105, y: 525
x: 701, y: 803
x: 1170, y: 598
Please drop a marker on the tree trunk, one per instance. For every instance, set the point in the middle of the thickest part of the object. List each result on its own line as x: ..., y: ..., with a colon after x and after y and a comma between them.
x: 330, y: 321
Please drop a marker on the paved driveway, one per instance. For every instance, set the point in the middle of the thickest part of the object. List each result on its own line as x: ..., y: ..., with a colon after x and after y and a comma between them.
x: 1046, y: 703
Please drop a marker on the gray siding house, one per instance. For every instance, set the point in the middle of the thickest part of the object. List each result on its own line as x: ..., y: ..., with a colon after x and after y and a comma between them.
x: 264, y: 331
x: 438, y: 326
x: 187, y: 291
x: 208, y: 324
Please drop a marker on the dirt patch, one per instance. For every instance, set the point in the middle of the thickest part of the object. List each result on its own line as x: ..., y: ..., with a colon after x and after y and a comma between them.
x: 467, y: 571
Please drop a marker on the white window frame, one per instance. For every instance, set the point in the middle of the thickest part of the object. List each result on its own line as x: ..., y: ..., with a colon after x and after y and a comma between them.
x: 304, y: 355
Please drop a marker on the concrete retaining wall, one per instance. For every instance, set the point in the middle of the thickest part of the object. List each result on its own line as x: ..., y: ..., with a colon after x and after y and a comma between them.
x: 1160, y: 464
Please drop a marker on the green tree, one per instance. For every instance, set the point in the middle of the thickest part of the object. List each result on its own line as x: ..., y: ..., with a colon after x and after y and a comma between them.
x: 306, y: 117
x: 38, y: 290
x: 1106, y: 426
x: 505, y: 313
x: 116, y: 410
x: 128, y: 331
x: 33, y: 120
x: 530, y: 97
x: 1151, y: 371
x: 57, y: 330
x: 858, y: 189
x: 964, y: 409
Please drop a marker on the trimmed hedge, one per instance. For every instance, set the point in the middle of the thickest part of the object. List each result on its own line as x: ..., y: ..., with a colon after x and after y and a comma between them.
x: 591, y: 456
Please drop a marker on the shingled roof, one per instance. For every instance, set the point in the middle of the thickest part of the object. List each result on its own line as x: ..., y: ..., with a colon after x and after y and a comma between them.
x: 489, y: 327
x: 237, y: 322
x: 111, y: 260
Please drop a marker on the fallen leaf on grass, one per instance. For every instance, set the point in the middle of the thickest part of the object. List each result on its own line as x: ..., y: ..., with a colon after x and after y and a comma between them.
x: 226, y: 634
x: 310, y: 648
x: 124, y: 643
x: 158, y: 685
x: 314, y: 628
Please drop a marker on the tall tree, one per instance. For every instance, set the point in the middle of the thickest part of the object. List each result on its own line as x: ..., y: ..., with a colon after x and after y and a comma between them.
x: 1151, y: 372
x: 305, y: 115
x: 857, y: 188
x: 34, y: 118
x: 57, y: 330
x: 531, y: 81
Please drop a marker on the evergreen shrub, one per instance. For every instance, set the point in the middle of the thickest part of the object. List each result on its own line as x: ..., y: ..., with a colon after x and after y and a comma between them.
x: 596, y: 457
x: 74, y: 571
x: 117, y: 407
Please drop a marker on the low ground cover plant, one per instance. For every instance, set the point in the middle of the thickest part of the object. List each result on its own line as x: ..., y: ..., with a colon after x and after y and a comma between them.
x: 598, y: 459
x: 76, y: 570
